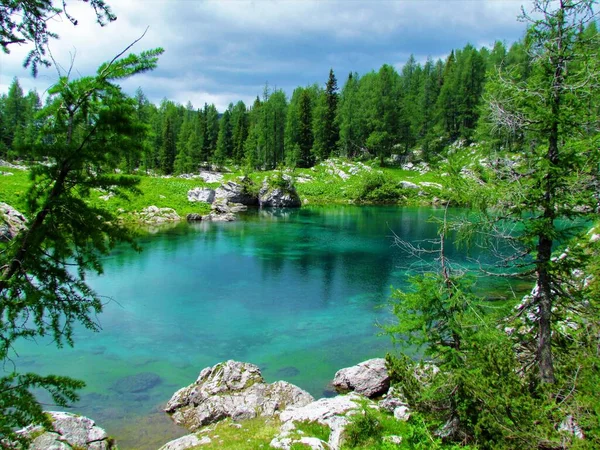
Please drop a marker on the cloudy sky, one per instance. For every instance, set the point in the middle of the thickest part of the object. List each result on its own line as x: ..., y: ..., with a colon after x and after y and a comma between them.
x: 225, y: 51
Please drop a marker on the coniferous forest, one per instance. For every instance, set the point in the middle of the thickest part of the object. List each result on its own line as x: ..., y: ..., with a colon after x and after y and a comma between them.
x: 373, y: 115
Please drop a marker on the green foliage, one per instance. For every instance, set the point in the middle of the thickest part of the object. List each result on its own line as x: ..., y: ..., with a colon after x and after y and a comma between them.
x: 16, y: 396
x: 375, y: 187
x: 364, y: 428
x: 85, y: 125
x: 314, y: 429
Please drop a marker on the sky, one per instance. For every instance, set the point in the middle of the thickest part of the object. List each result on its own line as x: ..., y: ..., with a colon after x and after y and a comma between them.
x: 225, y: 51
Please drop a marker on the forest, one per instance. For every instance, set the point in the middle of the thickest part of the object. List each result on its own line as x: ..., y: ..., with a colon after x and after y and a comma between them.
x: 376, y: 114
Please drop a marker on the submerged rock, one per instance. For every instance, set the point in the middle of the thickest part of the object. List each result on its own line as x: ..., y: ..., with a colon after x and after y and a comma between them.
x: 369, y: 378
x: 70, y: 431
x: 231, y: 389
x: 134, y: 384
x: 12, y: 222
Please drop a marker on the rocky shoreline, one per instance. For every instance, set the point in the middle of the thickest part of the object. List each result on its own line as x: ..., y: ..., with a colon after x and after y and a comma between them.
x: 236, y: 391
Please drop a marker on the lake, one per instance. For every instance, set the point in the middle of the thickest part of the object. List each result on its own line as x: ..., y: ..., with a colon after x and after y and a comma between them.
x: 296, y: 292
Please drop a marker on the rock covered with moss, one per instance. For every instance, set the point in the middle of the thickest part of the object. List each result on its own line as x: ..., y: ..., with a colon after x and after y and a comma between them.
x: 232, y: 389
x: 155, y: 215
x: 279, y: 192
x: 69, y: 431
x: 232, y: 192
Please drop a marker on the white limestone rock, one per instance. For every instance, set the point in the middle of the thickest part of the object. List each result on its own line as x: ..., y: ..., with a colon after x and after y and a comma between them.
x: 232, y: 389
x: 369, y: 378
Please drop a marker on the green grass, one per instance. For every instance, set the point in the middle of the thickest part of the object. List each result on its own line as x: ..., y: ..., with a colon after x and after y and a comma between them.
x: 160, y: 192
x: 379, y: 186
x: 253, y: 434
x: 313, y: 429
x: 14, y: 187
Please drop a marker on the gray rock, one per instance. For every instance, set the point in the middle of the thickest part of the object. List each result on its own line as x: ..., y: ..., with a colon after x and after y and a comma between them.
x: 408, y: 185
x: 393, y: 439
x: 201, y: 195
x: 431, y: 185
x: 369, y: 378
x: 11, y: 222
x: 12, y: 166
x: 185, y: 442
x: 332, y: 412
x: 402, y: 413
x: 214, y: 217
x: 279, y: 196
x: 392, y: 400
x: 154, y: 215
x: 211, y: 177
x: 69, y: 431
x: 231, y: 389
x: 233, y: 192
x: 193, y: 217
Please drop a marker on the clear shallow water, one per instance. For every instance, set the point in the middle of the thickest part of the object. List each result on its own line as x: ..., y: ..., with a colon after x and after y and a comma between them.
x: 297, y: 292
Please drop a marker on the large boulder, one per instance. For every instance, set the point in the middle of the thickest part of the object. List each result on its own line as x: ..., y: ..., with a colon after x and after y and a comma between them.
x: 11, y: 222
x: 279, y: 194
x: 369, y: 378
x: 69, y: 431
x: 199, y: 194
x: 232, y: 192
x: 232, y: 389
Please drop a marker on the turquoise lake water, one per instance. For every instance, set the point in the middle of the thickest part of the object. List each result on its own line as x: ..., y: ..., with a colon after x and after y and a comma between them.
x: 299, y: 293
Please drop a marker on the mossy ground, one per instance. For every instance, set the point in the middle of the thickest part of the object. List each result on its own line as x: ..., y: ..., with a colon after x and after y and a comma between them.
x: 249, y: 434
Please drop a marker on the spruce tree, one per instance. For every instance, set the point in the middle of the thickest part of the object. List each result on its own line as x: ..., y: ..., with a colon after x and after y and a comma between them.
x: 86, y: 124
x: 555, y: 108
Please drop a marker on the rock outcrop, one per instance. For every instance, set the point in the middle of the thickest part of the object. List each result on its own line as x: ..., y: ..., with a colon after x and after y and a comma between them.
x: 232, y: 192
x: 11, y: 222
x: 69, y: 431
x: 232, y: 389
x: 332, y: 412
x: 201, y: 195
x: 279, y: 195
x: 369, y: 378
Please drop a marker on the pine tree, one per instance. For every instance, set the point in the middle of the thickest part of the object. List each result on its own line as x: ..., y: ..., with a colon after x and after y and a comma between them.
x: 225, y: 139
x: 326, y: 130
x: 86, y: 124
x: 239, y: 120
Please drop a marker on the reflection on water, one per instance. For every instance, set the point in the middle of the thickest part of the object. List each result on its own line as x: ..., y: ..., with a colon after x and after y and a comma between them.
x: 296, y: 292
